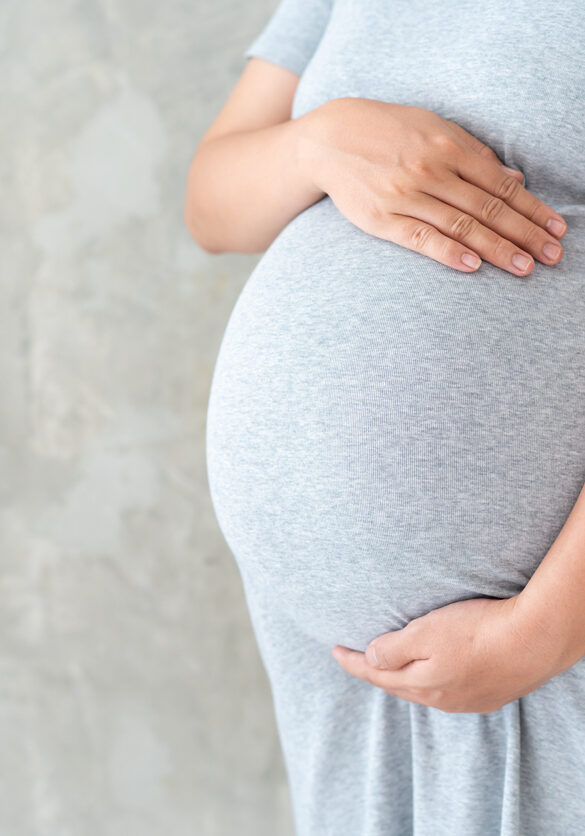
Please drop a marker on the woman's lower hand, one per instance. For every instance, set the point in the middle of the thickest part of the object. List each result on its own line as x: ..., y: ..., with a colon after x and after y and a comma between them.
x: 408, y: 175
x: 474, y: 656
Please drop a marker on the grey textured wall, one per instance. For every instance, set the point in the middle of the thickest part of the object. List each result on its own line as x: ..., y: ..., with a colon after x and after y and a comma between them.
x: 132, y: 697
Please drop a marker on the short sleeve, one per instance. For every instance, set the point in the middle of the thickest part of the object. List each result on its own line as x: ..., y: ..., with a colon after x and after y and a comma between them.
x: 292, y: 33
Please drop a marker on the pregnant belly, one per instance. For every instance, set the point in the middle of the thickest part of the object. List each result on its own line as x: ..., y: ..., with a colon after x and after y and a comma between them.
x: 386, y: 435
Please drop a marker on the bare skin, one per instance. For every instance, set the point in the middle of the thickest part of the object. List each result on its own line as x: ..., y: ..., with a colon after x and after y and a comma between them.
x: 408, y: 175
x: 468, y: 656
x: 398, y: 172
x: 243, y: 185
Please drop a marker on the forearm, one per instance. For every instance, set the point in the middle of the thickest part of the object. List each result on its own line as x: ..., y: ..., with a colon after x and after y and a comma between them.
x: 553, y: 602
x: 243, y: 188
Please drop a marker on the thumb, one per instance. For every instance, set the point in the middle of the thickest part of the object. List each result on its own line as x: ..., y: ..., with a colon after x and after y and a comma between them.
x: 391, y: 650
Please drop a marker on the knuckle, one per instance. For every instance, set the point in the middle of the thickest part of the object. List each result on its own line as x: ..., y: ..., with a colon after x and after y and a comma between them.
x: 532, y: 238
x: 447, y: 144
x: 399, y: 188
x: 450, y: 252
x: 444, y: 701
x: 414, y: 626
x: 419, y: 694
x: 492, y: 208
x: 378, y: 213
x: 507, y: 188
x: 463, y: 226
x: 420, y: 167
x: 500, y: 247
x: 487, y: 152
x: 534, y: 210
x: 419, y: 237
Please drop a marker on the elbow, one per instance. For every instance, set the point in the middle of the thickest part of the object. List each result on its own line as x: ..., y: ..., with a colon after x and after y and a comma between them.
x: 192, y: 217
x: 193, y: 228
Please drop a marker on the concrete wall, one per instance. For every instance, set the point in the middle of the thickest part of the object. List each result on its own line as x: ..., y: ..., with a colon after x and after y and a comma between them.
x: 133, y: 701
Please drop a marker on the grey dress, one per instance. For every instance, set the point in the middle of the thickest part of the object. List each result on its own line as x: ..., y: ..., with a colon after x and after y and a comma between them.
x: 386, y: 435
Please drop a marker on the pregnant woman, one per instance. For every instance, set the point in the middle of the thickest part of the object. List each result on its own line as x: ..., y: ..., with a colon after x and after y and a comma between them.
x: 396, y: 422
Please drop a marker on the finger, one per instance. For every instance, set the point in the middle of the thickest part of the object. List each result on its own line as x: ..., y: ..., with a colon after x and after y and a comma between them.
x: 355, y: 663
x: 514, y: 172
x: 492, y: 214
x: 472, y: 234
x: 493, y: 179
x: 407, y: 682
x: 421, y: 237
x: 481, y: 148
x: 392, y: 651
x: 474, y: 143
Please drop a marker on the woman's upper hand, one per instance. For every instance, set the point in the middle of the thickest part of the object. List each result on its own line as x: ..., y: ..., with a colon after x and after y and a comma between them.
x: 408, y: 175
x: 474, y: 656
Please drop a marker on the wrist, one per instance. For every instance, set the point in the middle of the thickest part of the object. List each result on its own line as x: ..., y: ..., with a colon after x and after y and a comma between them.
x: 312, y: 130
x: 549, y: 627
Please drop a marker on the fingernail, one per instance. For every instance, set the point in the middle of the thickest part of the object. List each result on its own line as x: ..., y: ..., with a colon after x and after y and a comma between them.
x: 556, y: 227
x: 512, y: 170
x: 371, y: 655
x: 522, y: 262
x: 471, y: 260
x: 551, y: 250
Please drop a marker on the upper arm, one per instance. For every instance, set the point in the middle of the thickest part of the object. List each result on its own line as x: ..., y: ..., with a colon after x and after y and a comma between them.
x: 276, y: 58
x: 262, y: 97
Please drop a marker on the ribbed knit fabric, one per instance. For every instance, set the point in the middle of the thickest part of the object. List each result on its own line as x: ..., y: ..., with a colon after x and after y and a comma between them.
x: 386, y: 435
